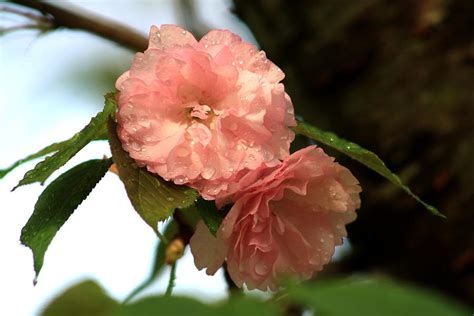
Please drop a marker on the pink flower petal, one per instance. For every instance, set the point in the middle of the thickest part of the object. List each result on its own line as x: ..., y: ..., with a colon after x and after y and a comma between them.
x: 286, y: 220
x: 216, y: 99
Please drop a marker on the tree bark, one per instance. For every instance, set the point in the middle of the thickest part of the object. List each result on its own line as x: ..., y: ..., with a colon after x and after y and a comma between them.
x: 396, y: 77
x: 75, y: 18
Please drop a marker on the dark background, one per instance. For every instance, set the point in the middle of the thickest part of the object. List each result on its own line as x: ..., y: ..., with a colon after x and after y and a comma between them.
x: 397, y: 77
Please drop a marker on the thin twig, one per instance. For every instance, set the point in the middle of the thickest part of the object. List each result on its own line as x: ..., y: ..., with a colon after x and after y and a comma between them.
x: 162, y: 237
x: 29, y: 15
x: 75, y: 18
x: 169, y: 289
x: 22, y: 27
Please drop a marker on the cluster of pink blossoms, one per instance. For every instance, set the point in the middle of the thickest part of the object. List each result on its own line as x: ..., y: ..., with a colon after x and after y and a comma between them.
x: 212, y: 114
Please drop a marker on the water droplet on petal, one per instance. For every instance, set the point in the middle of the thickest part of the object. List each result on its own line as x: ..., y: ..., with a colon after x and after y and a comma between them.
x: 182, y: 152
x: 180, y: 180
x: 208, y: 172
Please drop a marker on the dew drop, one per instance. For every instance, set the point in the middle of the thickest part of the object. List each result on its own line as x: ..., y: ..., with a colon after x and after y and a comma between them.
x: 208, y: 172
x: 182, y: 152
x: 267, y: 155
x: 136, y: 146
x: 180, y: 180
x: 170, y: 198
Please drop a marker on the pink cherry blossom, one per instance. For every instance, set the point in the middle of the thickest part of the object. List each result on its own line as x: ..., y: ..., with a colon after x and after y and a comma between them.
x: 199, y: 112
x: 285, y: 221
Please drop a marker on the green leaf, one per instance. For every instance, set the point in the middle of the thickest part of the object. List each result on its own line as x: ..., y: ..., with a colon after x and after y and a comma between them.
x: 85, y: 298
x: 177, y: 306
x: 171, y: 231
x: 153, y: 198
x: 169, y: 306
x: 57, y: 202
x: 211, y: 216
x: 66, y: 150
x: 371, y: 297
x: 43, y: 152
x: 88, y: 298
x: 362, y: 155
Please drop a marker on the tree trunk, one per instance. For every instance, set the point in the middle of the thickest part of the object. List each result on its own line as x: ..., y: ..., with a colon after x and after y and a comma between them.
x: 396, y: 77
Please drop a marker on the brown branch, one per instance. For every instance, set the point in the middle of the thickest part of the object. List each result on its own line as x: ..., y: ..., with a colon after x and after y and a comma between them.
x: 75, y: 18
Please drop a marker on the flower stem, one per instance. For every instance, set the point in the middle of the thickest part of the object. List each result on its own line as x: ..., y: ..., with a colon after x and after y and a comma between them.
x: 171, y: 283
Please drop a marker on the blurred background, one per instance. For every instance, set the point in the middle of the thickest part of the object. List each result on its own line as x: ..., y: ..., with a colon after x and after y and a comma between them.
x: 397, y: 77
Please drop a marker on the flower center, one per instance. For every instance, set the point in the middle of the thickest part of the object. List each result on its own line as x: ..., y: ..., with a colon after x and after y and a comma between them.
x: 199, y: 111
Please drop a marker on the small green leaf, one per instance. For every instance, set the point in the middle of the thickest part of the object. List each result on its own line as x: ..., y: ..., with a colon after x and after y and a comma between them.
x: 85, y: 298
x: 43, y: 152
x: 95, y: 129
x: 371, y: 297
x: 57, y: 202
x: 211, y: 216
x: 171, y: 231
x: 362, y: 155
x: 153, y: 198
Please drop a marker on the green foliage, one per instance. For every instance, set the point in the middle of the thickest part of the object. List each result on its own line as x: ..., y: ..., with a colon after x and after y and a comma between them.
x: 153, y: 198
x: 57, y: 202
x: 88, y: 298
x: 170, y: 306
x: 45, y: 151
x: 67, y: 149
x: 85, y: 298
x: 371, y: 297
x: 362, y: 155
x: 170, y: 232
x: 336, y: 297
x: 211, y: 216
x: 178, y: 306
